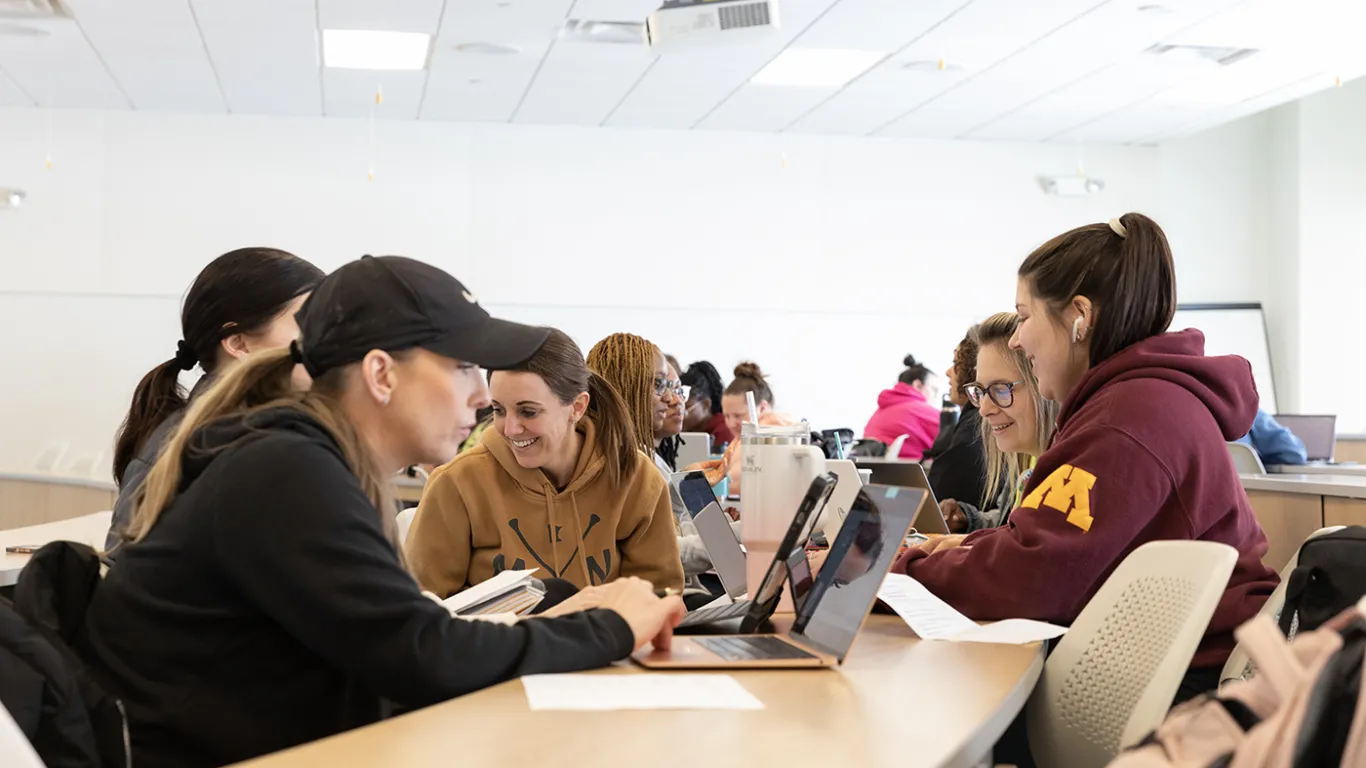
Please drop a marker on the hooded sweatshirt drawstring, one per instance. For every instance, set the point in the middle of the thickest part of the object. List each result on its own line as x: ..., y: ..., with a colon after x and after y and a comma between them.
x: 583, y: 546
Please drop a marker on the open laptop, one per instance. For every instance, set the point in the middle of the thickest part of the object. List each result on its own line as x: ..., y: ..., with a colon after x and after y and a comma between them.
x: 760, y: 608
x: 727, y: 556
x: 1318, y: 433
x: 832, y: 612
x: 909, y: 474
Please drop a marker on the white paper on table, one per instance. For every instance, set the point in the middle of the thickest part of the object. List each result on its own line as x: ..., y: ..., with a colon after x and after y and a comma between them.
x: 485, y: 590
x: 933, y: 619
x: 640, y: 691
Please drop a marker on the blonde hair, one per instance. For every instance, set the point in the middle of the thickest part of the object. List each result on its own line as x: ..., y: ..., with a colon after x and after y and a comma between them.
x: 259, y: 382
x: 1004, y: 469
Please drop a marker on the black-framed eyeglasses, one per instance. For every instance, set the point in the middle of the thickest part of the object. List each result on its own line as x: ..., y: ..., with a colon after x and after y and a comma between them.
x: 1002, y: 393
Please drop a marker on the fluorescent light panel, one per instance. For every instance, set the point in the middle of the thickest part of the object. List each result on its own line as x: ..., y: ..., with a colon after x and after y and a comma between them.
x: 370, y: 49
x: 817, y: 67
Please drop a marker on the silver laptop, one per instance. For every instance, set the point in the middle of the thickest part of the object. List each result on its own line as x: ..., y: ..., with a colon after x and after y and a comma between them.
x: 727, y: 557
x: 909, y: 474
x: 695, y: 448
x: 1318, y: 433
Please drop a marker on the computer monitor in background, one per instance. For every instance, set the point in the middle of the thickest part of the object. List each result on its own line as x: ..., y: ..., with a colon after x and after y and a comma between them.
x: 1318, y: 433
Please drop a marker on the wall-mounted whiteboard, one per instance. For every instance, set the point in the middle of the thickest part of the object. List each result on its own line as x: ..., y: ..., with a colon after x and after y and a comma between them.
x: 1234, y: 329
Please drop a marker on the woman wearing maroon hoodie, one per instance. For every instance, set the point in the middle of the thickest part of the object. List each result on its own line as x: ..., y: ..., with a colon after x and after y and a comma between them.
x: 905, y: 410
x: 1139, y: 454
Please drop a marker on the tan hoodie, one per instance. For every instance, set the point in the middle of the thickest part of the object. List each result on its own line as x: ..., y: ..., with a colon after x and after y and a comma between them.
x: 484, y: 513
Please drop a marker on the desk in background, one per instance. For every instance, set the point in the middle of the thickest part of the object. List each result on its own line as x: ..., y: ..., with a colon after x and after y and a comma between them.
x: 86, y: 529
x: 32, y: 499
x: 1290, y: 507
x: 1350, y: 448
x: 897, y: 701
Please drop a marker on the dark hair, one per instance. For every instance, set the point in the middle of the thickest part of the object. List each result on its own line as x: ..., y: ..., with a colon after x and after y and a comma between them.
x: 914, y: 371
x: 703, y: 378
x: 1125, y: 268
x: 560, y: 364
x: 238, y: 292
x: 671, y: 360
x: 748, y: 378
x: 965, y: 359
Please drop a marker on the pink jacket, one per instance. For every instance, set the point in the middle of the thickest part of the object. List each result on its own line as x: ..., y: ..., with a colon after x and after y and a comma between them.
x: 903, y: 410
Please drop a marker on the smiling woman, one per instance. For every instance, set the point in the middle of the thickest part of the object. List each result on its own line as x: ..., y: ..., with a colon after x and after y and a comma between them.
x: 557, y: 485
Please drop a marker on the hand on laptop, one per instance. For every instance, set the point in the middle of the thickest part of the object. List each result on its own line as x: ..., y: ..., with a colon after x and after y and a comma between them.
x: 716, y: 470
x: 954, y: 516
x: 652, y: 619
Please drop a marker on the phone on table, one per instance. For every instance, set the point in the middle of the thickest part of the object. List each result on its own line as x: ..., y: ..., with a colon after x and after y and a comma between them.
x: 23, y: 549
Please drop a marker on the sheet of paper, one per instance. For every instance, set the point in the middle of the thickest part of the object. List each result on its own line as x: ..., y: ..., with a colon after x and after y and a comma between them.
x: 927, y: 615
x: 641, y: 691
x: 485, y: 590
x: 1010, y: 632
x: 934, y: 619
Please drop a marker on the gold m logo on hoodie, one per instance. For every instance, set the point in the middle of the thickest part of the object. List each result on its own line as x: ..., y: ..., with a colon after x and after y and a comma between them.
x: 1068, y: 490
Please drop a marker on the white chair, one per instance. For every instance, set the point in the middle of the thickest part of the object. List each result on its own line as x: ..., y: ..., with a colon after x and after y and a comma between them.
x: 1238, y: 665
x: 894, y: 450
x: 14, y: 745
x: 1113, y: 676
x: 50, y: 457
x: 404, y: 521
x: 1246, y: 460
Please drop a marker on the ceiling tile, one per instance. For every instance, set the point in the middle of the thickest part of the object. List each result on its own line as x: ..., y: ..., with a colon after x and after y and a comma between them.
x: 351, y: 93
x: 153, y: 50
x: 384, y: 15
x: 59, y: 68
x: 581, y: 83
x: 11, y: 95
x: 265, y: 53
x: 475, y: 87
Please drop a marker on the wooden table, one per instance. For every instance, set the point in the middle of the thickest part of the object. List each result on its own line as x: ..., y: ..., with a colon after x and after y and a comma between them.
x: 1290, y: 507
x: 897, y: 702
x: 88, y: 529
x: 30, y: 499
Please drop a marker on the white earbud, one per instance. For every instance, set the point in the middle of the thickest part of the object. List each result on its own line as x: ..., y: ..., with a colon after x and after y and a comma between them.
x: 1076, y: 329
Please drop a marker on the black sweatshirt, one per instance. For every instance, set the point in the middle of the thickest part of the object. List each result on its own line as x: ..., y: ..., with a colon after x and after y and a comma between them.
x: 959, y: 472
x: 267, y: 609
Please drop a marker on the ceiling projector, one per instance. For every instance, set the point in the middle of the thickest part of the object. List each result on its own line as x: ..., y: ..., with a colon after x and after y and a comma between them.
x: 687, y: 23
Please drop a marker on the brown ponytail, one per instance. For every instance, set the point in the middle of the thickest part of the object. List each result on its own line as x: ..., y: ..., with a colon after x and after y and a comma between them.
x: 748, y: 378
x: 1125, y: 268
x: 561, y: 365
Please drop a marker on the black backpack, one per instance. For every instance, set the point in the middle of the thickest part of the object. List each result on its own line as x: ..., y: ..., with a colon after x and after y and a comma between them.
x: 53, y: 595
x: 1329, y: 578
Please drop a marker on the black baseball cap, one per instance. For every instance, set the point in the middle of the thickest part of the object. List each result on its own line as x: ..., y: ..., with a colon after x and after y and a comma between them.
x: 394, y: 303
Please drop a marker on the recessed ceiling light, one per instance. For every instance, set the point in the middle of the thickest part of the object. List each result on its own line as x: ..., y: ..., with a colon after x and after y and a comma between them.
x: 10, y: 29
x: 493, y: 49
x: 932, y: 65
x: 371, y: 49
x: 817, y: 67
x: 1154, y: 8
x: 11, y: 198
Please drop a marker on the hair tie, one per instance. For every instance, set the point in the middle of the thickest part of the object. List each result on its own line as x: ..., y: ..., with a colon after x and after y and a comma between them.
x: 1118, y: 227
x: 296, y: 353
x: 185, y: 356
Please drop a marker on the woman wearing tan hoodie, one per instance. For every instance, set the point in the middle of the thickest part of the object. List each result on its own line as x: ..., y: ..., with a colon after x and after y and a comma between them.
x: 557, y: 485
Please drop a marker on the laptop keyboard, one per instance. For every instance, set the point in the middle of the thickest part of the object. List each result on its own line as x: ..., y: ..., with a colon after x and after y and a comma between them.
x: 715, y: 613
x: 762, y: 647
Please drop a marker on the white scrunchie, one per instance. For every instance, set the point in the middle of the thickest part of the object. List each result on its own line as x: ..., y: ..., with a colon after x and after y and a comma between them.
x: 1118, y: 227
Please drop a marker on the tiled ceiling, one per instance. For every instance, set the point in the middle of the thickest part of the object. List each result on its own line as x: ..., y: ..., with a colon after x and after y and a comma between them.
x: 1022, y: 70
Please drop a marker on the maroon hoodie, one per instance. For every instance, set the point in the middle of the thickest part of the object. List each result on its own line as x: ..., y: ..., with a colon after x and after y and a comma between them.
x: 1139, y: 456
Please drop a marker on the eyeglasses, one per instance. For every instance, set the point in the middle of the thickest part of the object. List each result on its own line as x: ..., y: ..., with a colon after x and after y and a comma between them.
x: 672, y: 385
x: 1002, y: 393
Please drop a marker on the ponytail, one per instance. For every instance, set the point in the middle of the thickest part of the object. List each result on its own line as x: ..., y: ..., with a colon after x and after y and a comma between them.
x: 914, y: 371
x: 616, y: 432
x: 262, y: 381
x: 157, y: 397
x: 749, y: 378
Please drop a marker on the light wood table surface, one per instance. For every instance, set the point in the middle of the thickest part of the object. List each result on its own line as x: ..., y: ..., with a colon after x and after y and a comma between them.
x: 87, y: 529
x: 897, y: 702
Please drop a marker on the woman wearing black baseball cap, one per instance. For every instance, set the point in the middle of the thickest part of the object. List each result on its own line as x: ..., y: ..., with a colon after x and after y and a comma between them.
x: 262, y: 602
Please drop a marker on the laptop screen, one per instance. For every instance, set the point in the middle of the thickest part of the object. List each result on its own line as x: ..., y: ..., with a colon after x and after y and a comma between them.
x: 847, y: 584
x: 696, y: 492
x: 1319, y: 433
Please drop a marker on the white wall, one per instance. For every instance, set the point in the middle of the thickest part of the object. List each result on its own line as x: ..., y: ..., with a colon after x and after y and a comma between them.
x: 827, y: 270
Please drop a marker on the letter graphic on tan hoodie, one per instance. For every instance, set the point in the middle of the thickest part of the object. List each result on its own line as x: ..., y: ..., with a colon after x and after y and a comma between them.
x: 484, y: 513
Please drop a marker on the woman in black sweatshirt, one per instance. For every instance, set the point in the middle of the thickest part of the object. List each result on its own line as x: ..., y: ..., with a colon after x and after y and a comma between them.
x: 262, y: 602
x: 958, y: 473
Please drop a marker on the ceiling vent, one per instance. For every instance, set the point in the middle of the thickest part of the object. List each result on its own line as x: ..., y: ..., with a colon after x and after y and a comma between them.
x: 586, y: 30
x: 32, y: 9
x: 1224, y: 57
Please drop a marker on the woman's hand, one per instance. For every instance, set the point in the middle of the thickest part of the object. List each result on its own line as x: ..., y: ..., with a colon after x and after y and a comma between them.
x: 939, y: 543
x: 954, y: 515
x: 652, y: 619
x: 583, y: 600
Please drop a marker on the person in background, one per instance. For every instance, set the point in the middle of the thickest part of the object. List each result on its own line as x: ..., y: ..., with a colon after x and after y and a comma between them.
x: 667, y: 437
x: 1139, y: 453
x: 242, y: 302
x: 484, y: 416
x: 735, y: 406
x: 959, y: 471
x: 559, y: 485
x: 1276, y: 445
x: 1016, y: 425
x: 702, y: 412
x: 264, y: 603
x: 906, y: 409
x: 673, y: 363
